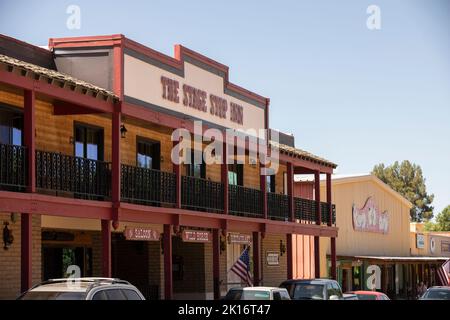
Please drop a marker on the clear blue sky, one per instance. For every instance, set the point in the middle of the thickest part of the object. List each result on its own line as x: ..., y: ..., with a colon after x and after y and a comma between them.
x: 355, y: 96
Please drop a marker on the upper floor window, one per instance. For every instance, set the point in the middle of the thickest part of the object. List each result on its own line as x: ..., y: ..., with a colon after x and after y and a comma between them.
x: 148, y: 154
x: 196, y: 169
x: 11, y: 127
x: 88, y: 142
x: 236, y: 174
x: 270, y: 183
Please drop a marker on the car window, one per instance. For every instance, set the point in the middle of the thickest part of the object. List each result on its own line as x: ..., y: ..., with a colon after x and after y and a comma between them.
x: 276, y: 295
x: 255, y: 295
x: 330, y: 290
x: 114, y: 294
x: 367, y: 297
x: 100, y: 295
x: 337, y: 289
x: 438, y: 294
x: 53, y: 295
x: 284, y: 295
x: 131, y: 294
x: 234, y: 295
x: 308, y: 291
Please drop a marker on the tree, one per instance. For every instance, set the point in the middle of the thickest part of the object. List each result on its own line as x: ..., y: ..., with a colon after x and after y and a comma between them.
x: 407, y: 179
x: 442, y: 221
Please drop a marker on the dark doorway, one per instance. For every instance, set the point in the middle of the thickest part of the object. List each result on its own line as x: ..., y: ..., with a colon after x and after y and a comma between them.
x: 56, y: 260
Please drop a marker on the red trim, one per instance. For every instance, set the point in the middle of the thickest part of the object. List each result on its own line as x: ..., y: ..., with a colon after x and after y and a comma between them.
x: 263, y: 188
x: 63, y: 108
x: 216, y: 263
x: 224, y: 178
x: 318, y: 222
x: 256, y: 258
x: 333, y: 258
x: 54, y: 206
x: 290, y: 256
x: 26, y: 249
x: 177, y: 171
x: 106, y: 248
x: 168, y: 281
x: 89, y: 41
x: 116, y: 163
x: 29, y: 137
x: 56, y: 92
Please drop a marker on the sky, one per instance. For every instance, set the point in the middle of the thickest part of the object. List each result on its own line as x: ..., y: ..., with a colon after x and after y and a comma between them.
x: 355, y: 96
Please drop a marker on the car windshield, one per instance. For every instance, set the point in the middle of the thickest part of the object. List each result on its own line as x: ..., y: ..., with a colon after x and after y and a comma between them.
x: 53, y: 295
x: 255, y: 295
x: 367, y: 297
x: 308, y: 291
x: 437, y: 294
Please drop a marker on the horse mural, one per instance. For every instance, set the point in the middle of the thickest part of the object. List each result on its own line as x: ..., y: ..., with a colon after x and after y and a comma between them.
x: 369, y: 218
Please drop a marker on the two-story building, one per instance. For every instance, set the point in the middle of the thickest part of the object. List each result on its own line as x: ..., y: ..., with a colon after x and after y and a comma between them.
x: 90, y: 183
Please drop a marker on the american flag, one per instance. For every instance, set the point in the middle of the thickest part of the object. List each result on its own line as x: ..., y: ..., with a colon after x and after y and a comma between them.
x: 242, y: 267
x: 443, y: 273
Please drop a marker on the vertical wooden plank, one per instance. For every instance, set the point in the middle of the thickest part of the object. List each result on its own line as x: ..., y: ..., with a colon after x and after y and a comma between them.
x: 290, y: 190
x: 26, y: 251
x: 29, y: 137
x: 256, y: 258
x: 216, y: 263
x: 168, y: 281
x: 224, y: 178
x: 290, y: 254
x: 106, y: 248
x: 318, y: 222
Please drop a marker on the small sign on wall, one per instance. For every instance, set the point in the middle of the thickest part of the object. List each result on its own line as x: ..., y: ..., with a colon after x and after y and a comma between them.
x: 141, y: 234
x: 420, y: 241
x: 273, y: 258
x: 196, y: 236
x: 239, y: 238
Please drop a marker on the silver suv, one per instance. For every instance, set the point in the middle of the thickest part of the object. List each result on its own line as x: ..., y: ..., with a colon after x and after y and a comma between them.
x: 83, y: 289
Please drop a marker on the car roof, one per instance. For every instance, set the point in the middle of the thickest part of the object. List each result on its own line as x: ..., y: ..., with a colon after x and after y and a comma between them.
x: 371, y: 293
x: 258, y: 288
x: 310, y: 281
x: 439, y: 288
x: 76, y: 284
x: 61, y: 287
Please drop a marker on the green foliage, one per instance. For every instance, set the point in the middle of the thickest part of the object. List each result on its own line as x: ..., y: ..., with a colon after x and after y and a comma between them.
x: 407, y: 179
x: 442, y: 221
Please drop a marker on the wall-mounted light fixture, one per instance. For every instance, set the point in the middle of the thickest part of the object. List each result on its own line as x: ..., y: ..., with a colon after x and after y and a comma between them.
x: 8, y: 237
x: 14, y: 217
x: 223, y: 245
x: 282, y: 248
x: 123, y: 131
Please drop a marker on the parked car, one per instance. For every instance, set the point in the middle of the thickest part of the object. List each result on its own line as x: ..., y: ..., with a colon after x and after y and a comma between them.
x: 370, y: 295
x: 83, y: 289
x: 436, y: 293
x: 350, y: 296
x: 313, y: 289
x: 257, y: 293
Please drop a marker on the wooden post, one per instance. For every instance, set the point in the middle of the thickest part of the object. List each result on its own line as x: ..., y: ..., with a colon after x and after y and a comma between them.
x: 106, y: 248
x: 168, y: 281
x: 216, y: 263
x: 318, y: 222
x: 224, y: 177
x: 177, y: 171
x: 290, y: 256
x: 290, y: 190
x: 26, y: 251
x: 256, y: 258
x: 330, y: 223
x: 29, y: 137
x: 116, y: 165
x: 263, y: 187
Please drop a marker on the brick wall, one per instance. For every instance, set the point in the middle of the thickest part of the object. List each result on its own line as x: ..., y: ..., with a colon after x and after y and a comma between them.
x: 10, y: 259
x: 273, y: 275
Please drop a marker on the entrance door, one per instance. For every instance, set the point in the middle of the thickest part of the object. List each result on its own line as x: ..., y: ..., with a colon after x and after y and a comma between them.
x: 57, y: 259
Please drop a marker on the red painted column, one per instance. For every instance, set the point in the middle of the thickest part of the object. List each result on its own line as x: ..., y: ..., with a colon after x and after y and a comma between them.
x: 106, y: 248
x: 330, y: 223
x: 26, y: 251
x: 168, y: 281
x: 263, y: 187
x: 216, y: 263
x: 176, y: 170
x: 224, y: 178
x: 290, y: 256
x: 318, y: 222
x: 290, y: 190
x: 116, y: 165
x: 256, y: 243
x: 26, y: 247
x: 29, y: 137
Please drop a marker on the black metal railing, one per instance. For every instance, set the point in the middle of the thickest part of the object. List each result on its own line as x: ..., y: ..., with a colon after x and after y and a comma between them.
x: 305, y: 209
x: 147, y: 186
x: 201, y: 194
x: 325, y: 212
x: 13, y: 167
x: 72, y: 176
x: 245, y: 201
x: 278, y: 206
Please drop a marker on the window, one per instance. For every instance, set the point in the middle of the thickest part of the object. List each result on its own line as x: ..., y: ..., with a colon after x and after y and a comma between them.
x: 196, y: 169
x: 100, y: 296
x: 337, y: 289
x: 285, y: 182
x: 236, y: 174
x: 270, y: 183
x: 11, y: 126
x: 88, y: 142
x: 148, y: 154
x: 276, y: 295
x: 114, y: 294
x: 131, y: 294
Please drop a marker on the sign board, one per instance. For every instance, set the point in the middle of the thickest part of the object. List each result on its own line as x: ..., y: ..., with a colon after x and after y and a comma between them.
x: 197, y: 93
x: 273, y: 258
x: 141, y: 234
x: 196, y: 236
x: 445, y: 247
x: 239, y: 238
x: 420, y: 241
x: 370, y: 219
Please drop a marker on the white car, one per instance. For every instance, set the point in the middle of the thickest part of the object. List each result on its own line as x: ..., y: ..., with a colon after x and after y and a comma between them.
x: 83, y: 289
x: 257, y: 293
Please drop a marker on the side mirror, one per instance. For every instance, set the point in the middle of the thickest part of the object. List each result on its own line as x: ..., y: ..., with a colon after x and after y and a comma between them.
x: 334, y: 297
